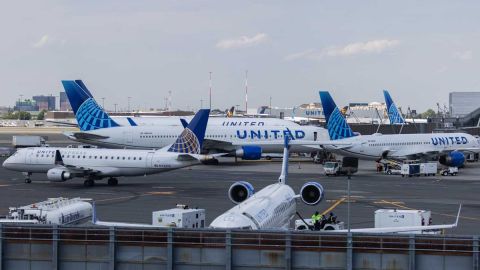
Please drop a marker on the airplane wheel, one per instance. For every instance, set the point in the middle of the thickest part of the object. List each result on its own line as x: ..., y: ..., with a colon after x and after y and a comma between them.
x: 89, y: 183
x: 28, y: 181
x: 112, y: 182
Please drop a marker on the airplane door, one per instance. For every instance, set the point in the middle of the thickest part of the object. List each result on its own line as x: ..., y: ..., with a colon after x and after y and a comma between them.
x: 315, y: 134
x: 30, y: 156
x: 128, y: 136
x: 149, y: 160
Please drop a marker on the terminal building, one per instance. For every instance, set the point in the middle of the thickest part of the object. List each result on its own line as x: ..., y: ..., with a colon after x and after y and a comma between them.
x: 46, y: 103
x: 463, y: 103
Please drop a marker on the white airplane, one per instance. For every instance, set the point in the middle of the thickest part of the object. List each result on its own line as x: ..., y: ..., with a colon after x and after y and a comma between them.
x: 61, y: 164
x: 449, y: 148
x: 247, y: 138
x: 272, y: 207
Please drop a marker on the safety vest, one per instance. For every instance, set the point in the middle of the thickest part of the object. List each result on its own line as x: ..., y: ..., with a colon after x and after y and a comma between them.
x: 316, y: 217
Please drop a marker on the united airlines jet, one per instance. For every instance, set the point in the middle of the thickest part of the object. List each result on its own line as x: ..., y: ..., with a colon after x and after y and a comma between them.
x: 61, y: 164
x: 247, y: 138
x: 270, y: 208
x: 449, y: 148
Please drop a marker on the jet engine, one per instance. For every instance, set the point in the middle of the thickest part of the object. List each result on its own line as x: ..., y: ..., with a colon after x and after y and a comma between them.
x: 452, y: 159
x: 240, y: 191
x: 249, y: 152
x: 58, y: 175
x: 311, y: 193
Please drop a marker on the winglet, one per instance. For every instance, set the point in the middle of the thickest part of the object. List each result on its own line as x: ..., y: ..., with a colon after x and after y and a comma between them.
x: 89, y: 115
x: 131, y: 122
x: 286, y: 147
x: 58, y: 158
x: 191, y: 139
x: 94, y: 213
x: 392, y: 110
x: 337, y: 126
x: 184, y: 122
x: 458, y: 215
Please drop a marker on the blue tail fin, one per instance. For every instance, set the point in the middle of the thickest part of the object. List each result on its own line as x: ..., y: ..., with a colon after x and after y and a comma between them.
x: 392, y: 110
x: 191, y: 139
x: 336, y: 124
x: 89, y: 115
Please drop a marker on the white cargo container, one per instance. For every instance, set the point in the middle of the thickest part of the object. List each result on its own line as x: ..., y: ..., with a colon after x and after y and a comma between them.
x: 59, y: 211
x: 386, y: 218
x: 428, y: 169
x: 27, y: 141
x: 180, y: 217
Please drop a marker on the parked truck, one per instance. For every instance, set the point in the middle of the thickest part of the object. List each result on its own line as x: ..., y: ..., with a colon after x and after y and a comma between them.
x: 28, y: 141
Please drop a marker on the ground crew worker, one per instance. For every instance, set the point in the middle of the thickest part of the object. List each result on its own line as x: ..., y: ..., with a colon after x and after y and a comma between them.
x: 316, y: 221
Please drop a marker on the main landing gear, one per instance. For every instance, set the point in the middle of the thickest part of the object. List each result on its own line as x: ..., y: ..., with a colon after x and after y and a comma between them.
x: 27, y: 177
x: 89, y: 183
x: 112, y: 181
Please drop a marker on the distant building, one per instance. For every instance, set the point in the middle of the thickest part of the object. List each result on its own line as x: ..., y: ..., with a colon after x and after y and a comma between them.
x: 26, y: 105
x: 64, y: 103
x: 463, y: 103
x: 45, y: 102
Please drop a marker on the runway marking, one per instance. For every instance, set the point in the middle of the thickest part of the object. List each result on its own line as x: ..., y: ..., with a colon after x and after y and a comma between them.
x: 333, y: 206
x: 152, y: 193
x: 441, y: 214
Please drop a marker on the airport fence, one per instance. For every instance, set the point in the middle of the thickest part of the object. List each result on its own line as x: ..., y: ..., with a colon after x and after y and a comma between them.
x: 40, y: 247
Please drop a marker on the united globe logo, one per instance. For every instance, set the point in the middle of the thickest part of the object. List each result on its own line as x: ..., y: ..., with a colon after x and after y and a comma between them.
x: 90, y: 116
x: 187, y: 143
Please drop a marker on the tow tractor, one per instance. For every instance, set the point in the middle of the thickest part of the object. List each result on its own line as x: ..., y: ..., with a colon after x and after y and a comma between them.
x: 449, y: 171
x: 338, y: 167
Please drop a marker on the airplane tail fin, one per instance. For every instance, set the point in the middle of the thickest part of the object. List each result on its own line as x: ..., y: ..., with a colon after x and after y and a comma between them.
x: 191, y: 139
x: 392, y: 110
x: 336, y: 124
x: 58, y: 158
x: 89, y: 115
x: 231, y: 112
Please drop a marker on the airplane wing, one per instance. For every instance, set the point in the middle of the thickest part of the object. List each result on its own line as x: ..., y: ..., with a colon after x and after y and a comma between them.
x: 312, y: 144
x: 84, y: 136
x: 406, y: 228
x: 74, y: 169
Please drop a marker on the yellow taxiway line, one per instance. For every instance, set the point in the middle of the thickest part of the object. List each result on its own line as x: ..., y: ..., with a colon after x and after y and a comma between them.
x: 333, y: 206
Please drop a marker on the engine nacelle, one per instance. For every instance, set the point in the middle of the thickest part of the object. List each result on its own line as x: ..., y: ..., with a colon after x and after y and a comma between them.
x: 452, y: 159
x: 248, y: 152
x: 240, y: 191
x: 311, y: 193
x: 58, y: 175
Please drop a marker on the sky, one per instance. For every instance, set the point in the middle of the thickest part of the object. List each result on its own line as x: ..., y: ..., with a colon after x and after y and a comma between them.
x: 419, y: 50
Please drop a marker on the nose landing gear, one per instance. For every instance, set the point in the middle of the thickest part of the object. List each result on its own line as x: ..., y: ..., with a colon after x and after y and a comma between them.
x: 112, y: 181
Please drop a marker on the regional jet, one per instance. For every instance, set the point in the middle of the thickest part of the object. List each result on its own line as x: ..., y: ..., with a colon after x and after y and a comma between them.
x: 61, y: 164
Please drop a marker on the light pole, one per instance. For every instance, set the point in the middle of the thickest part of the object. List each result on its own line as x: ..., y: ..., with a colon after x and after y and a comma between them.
x: 129, y: 103
x: 115, y: 106
x: 348, y: 202
x: 103, y: 103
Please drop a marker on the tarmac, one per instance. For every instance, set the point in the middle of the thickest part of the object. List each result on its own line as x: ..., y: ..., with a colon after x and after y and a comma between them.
x: 206, y: 186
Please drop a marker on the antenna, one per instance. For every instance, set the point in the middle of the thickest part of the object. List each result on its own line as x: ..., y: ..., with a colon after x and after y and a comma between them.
x: 246, y: 91
x: 210, y: 93
x: 283, y: 176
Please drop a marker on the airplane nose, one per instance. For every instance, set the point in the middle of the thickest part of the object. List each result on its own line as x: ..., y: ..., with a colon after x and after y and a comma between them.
x: 6, y: 163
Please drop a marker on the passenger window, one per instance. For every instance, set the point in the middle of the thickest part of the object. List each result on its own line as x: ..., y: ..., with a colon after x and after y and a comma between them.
x: 100, y: 157
x: 128, y: 158
x: 139, y: 158
x: 95, y: 157
x: 123, y: 158
x: 134, y: 158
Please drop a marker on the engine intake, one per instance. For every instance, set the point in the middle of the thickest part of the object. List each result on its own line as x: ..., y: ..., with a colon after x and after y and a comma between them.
x: 311, y: 193
x: 248, y: 152
x: 452, y: 159
x: 240, y: 191
x: 58, y: 175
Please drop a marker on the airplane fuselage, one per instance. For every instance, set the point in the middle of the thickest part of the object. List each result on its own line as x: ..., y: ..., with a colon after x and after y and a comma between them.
x: 402, y: 146
x: 107, y: 162
x: 270, y: 208
x: 227, y: 134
